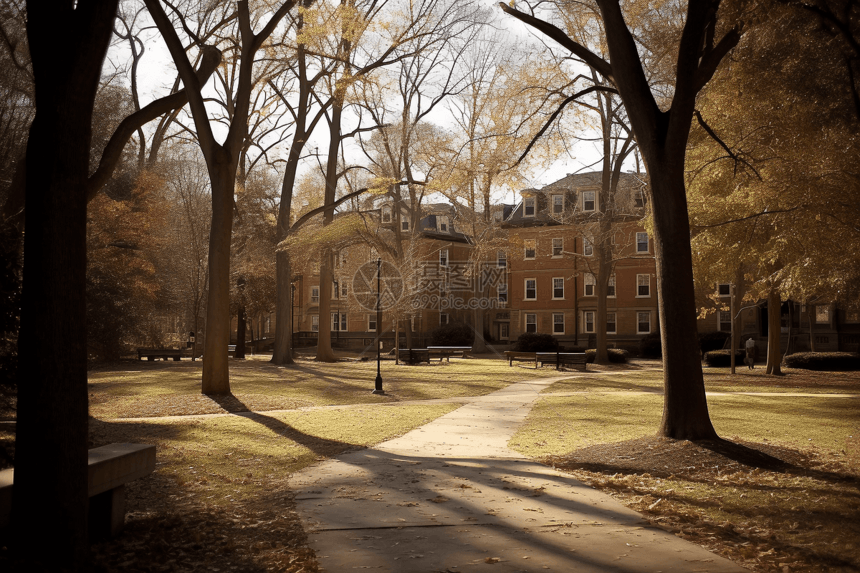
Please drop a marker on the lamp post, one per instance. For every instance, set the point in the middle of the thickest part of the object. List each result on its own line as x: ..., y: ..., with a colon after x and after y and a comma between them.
x: 378, y: 388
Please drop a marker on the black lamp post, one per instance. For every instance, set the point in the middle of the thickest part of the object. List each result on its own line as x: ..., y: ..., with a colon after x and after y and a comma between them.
x: 378, y: 389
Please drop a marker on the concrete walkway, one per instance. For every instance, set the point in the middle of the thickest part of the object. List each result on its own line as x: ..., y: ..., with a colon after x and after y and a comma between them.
x: 451, y: 497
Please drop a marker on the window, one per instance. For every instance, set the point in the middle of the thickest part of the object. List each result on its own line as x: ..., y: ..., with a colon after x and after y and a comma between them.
x: 338, y: 321
x: 443, y: 258
x: 610, y: 288
x: 343, y: 291
x: 643, y: 322
x: 724, y: 289
x: 588, y: 200
x: 371, y: 322
x: 503, y: 295
x: 443, y: 318
x: 725, y: 320
x: 643, y: 286
x: 531, y: 323
x: 531, y: 289
x: 589, y: 283
x: 557, y: 204
x: 315, y: 295
x: 557, y: 247
x: 529, y: 207
x: 558, y: 323
x: 529, y: 249
x: 588, y: 321
x: 501, y: 259
x: 315, y: 323
x: 386, y: 214
x: 404, y: 225
x: 504, y: 331
x: 557, y: 288
x: 443, y: 224
x: 335, y: 290
x: 641, y: 242
x: 611, y: 327
x: 822, y: 314
x: 587, y: 247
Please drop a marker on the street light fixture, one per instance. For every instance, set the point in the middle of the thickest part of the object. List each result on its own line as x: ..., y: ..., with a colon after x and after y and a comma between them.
x: 378, y: 388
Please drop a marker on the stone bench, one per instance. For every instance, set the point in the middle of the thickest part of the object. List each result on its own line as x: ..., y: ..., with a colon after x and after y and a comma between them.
x: 109, y: 469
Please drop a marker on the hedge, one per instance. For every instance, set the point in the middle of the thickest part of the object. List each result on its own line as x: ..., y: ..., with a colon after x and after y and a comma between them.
x: 454, y: 334
x: 616, y: 355
x: 536, y: 342
x: 713, y: 340
x: 823, y: 360
x: 650, y: 346
x: 722, y: 358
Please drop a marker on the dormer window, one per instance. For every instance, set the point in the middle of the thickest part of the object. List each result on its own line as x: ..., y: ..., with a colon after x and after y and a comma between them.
x: 443, y: 224
x: 529, y: 207
x: 557, y: 204
x: 589, y: 201
x: 386, y: 214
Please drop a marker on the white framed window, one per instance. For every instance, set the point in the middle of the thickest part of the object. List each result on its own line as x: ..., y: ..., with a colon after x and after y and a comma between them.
x: 587, y: 247
x: 443, y: 257
x: 338, y: 321
x: 557, y: 204
x: 343, y: 290
x: 404, y: 225
x: 641, y: 242
x: 501, y: 259
x: 724, y: 289
x: 557, y: 247
x: 558, y: 323
x: 643, y: 286
x: 610, y: 288
x: 531, y: 322
x: 643, y: 322
x: 588, y: 321
x: 529, y: 207
x: 444, y: 318
x: 530, y: 249
x: 503, y: 294
x: 386, y: 214
x: 588, y: 284
x: 557, y: 288
x: 315, y: 295
x: 822, y: 314
x: 443, y: 224
x: 530, y: 289
x: 611, y: 324
x: 589, y: 200
x: 371, y: 322
x: 315, y: 323
x: 724, y: 320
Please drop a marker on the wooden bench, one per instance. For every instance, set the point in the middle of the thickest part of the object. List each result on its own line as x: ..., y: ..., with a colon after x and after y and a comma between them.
x: 513, y: 355
x: 576, y: 360
x: 414, y: 356
x: 163, y: 353
x: 447, y: 352
x: 109, y: 468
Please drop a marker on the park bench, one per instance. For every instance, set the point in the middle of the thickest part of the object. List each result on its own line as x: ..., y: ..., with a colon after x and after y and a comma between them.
x: 575, y: 360
x: 418, y: 355
x: 109, y: 469
x: 163, y: 353
x: 414, y: 356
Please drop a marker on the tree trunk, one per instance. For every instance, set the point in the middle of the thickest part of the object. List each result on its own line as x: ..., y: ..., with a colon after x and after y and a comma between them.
x: 479, y: 345
x: 49, y: 500
x: 685, y: 407
x: 283, y: 350
x: 810, y: 316
x: 241, y: 326
x: 216, y: 372
x: 602, y: 288
x: 324, y: 351
x: 774, y: 357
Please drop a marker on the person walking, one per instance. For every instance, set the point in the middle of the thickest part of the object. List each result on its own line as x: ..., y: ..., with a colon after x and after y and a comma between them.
x: 750, y: 348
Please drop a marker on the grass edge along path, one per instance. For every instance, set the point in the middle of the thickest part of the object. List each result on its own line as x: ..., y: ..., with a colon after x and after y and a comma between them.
x: 798, y: 513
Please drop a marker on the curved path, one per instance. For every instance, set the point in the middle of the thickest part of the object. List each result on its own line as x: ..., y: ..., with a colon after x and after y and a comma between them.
x: 450, y: 497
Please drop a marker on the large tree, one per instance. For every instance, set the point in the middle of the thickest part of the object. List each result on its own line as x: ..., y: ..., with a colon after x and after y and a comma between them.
x: 705, y: 35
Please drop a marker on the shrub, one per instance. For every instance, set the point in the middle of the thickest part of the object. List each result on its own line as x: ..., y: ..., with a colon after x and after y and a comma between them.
x: 823, y: 360
x: 616, y: 355
x: 453, y: 334
x: 722, y: 358
x: 650, y: 346
x: 714, y: 340
x: 536, y: 342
